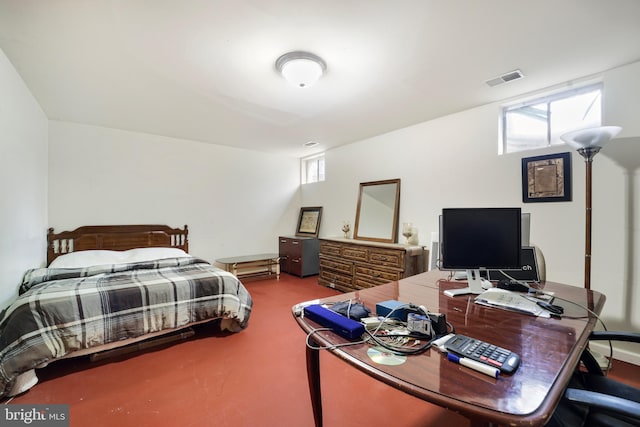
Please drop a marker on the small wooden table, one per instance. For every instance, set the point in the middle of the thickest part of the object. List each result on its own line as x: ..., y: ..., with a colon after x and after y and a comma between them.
x: 252, y: 266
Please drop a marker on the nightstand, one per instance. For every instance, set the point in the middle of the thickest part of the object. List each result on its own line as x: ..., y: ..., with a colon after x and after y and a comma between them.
x: 299, y: 255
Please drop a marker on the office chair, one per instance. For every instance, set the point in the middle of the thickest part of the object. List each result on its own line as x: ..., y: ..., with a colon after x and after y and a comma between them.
x: 591, y: 399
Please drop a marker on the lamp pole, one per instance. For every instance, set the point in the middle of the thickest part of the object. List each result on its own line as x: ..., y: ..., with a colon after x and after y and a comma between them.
x: 588, y: 154
x: 588, y: 143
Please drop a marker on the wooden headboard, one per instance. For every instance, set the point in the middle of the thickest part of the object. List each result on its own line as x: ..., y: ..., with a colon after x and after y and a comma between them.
x: 115, y: 238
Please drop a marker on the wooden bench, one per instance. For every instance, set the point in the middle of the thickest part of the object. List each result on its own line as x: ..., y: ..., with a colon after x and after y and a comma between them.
x: 252, y: 266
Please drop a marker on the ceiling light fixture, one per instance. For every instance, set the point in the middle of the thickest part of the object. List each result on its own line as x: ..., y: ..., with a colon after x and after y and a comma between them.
x: 301, y: 69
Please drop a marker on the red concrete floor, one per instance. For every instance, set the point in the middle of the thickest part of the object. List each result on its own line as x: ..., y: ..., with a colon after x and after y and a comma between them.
x: 253, y: 378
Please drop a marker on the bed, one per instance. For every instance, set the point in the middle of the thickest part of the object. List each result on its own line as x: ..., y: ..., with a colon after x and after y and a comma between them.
x: 105, y: 287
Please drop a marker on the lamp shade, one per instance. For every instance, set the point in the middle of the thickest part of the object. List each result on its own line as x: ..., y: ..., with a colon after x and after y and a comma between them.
x: 301, y: 69
x: 591, y: 137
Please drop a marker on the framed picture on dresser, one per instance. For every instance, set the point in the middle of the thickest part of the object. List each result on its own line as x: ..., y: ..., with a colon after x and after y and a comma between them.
x: 309, y: 221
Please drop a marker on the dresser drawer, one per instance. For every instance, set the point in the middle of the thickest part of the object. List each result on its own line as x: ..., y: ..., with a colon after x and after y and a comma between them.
x: 335, y: 265
x: 368, y: 279
x: 387, y: 258
x: 363, y: 283
x: 349, y: 265
x: 356, y: 253
x: 337, y: 280
x: 377, y: 275
x: 294, y: 266
x: 290, y: 247
x: 330, y: 249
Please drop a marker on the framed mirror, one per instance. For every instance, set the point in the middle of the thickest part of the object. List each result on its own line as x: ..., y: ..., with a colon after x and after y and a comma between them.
x: 377, y: 211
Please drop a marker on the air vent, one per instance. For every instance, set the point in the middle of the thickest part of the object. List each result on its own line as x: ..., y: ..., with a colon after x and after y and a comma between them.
x: 310, y: 144
x: 505, y: 78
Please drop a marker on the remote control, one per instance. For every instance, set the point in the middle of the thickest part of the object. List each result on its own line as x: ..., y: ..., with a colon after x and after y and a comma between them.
x: 484, y: 352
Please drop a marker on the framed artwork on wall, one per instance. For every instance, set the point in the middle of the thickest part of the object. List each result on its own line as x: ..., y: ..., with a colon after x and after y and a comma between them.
x: 309, y: 221
x: 546, y: 178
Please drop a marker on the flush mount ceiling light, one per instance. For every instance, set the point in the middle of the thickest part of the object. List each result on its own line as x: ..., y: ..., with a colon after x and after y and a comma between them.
x: 301, y: 69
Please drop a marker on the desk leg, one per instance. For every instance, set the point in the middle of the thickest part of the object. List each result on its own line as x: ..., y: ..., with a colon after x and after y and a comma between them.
x: 313, y: 376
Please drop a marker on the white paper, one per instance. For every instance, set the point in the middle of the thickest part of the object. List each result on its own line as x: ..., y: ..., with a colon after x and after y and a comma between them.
x: 507, y: 300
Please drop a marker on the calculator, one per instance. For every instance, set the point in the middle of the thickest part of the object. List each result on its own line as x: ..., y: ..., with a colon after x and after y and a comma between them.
x: 484, y: 352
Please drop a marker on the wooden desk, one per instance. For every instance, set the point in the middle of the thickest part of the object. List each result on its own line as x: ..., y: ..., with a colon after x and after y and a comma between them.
x: 550, y: 350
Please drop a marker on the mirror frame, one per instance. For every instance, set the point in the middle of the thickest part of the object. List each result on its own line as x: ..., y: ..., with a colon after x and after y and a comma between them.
x: 396, y: 210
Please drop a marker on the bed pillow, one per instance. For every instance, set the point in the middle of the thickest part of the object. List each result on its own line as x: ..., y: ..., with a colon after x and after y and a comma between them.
x: 149, y: 254
x: 82, y: 259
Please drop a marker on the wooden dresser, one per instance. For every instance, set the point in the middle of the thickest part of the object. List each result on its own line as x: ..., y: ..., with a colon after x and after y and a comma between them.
x: 349, y: 265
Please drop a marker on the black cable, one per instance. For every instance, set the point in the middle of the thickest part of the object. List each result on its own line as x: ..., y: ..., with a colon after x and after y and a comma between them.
x: 403, y: 350
x: 598, y: 318
x: 330, y: 347
x: 453, y: 330
x: 589, y: 312
x: 399, y: 349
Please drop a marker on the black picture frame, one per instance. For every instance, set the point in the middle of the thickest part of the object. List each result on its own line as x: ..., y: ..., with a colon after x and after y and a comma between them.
x: 309, y: 221
x: 546, y: 178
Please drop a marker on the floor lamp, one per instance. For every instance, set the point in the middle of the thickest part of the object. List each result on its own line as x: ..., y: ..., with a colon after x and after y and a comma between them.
x: 588, y: 142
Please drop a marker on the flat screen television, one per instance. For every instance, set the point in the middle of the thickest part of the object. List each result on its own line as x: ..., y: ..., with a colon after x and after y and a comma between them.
x: 475, y: 239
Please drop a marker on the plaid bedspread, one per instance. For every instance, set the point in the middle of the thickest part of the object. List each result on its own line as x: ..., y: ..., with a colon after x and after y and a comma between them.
x: 60, y: 311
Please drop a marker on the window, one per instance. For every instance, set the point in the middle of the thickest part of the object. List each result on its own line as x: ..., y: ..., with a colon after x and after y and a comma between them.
x: 540, y: 122
x: 313, y: 169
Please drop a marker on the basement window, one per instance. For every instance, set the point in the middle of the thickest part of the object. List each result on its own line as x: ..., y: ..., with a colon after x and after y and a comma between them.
x: 312, y: 169
x: 538, y: 123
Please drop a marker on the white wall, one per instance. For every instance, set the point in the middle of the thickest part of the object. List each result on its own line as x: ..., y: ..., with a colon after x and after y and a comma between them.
x: 235, y: 202
x: 23, y: 181
x: 453, y: 161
